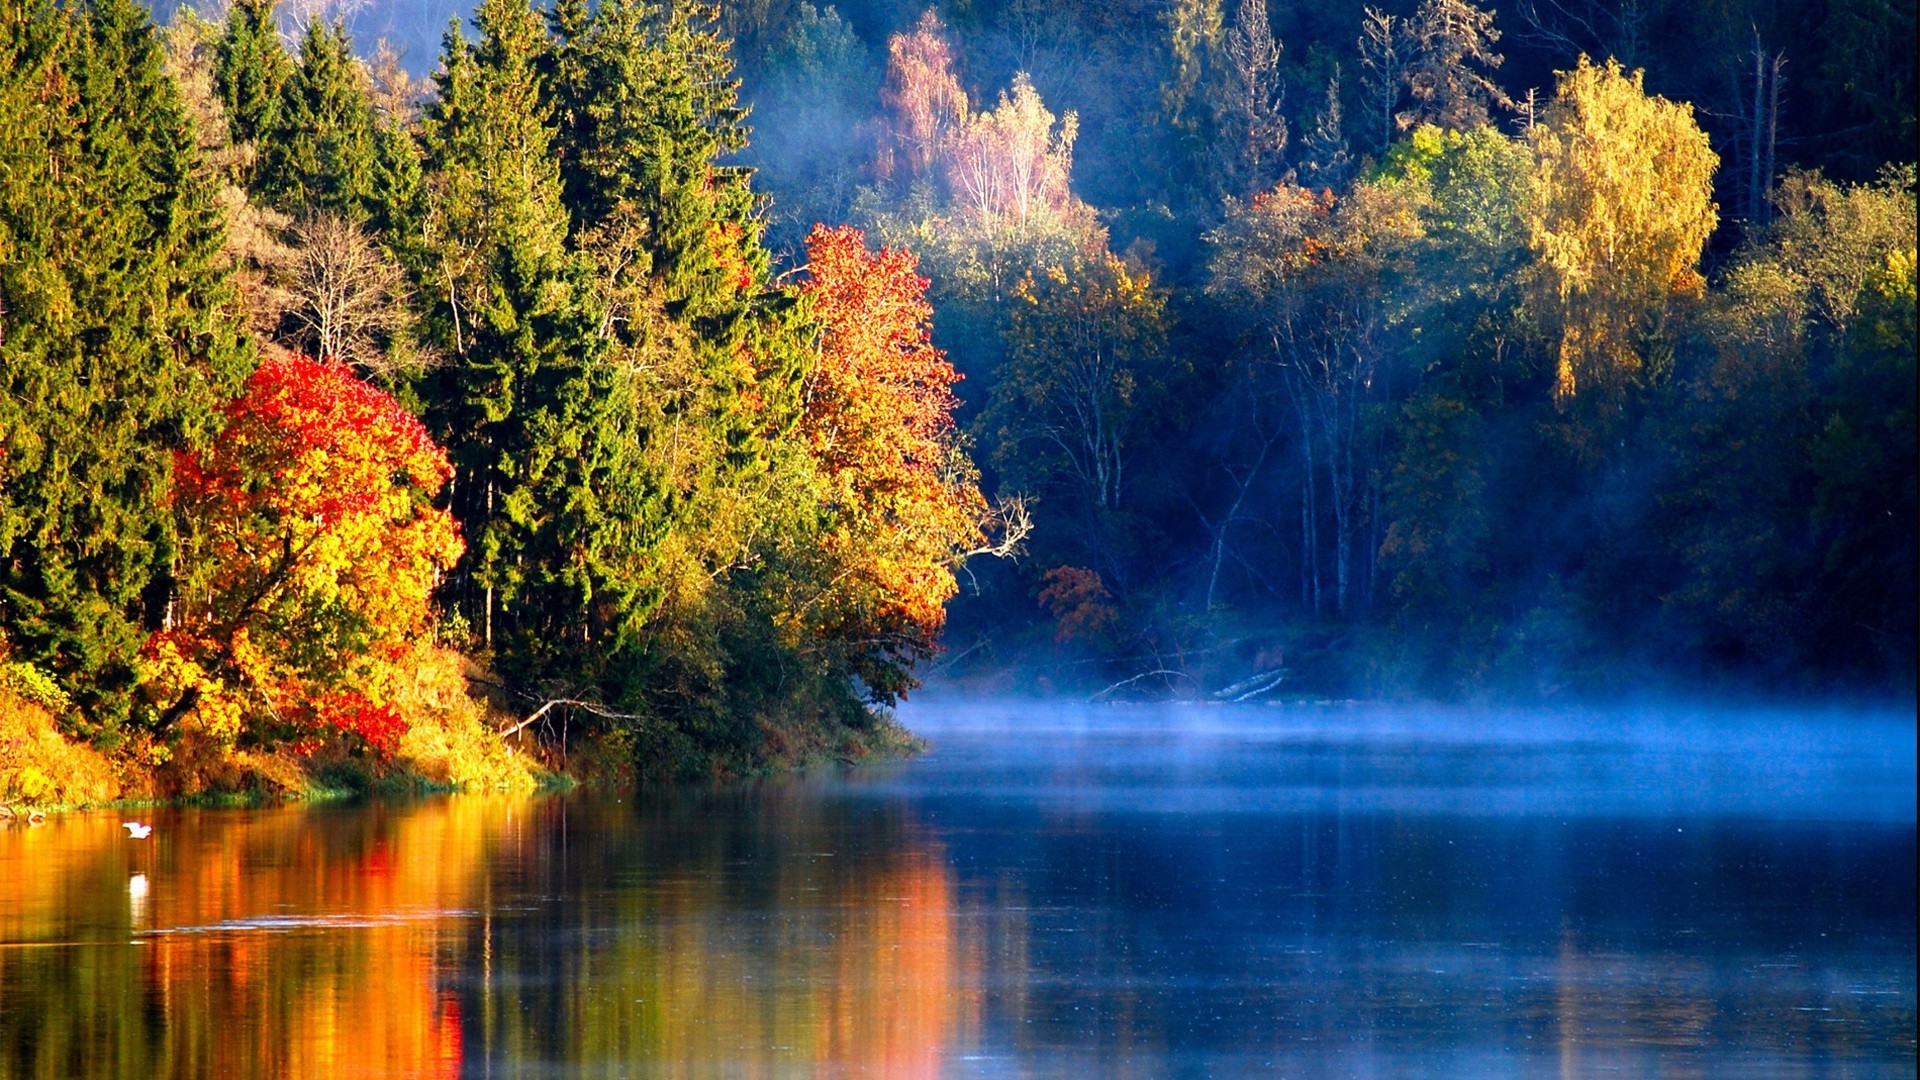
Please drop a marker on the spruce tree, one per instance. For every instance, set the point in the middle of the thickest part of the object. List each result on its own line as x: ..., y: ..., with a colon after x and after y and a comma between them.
x: 529, y: 404
x: 250, y: 68
x: 647, y: 108
x: 117, y: 339
x: 320, y: 153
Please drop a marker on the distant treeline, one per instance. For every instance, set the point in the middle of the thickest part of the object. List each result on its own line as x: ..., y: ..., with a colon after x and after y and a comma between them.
x: 310, y: 369
x: 1403, y: 348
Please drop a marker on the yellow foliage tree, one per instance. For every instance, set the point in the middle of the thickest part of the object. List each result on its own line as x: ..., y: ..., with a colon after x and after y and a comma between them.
x: 1623, y: 205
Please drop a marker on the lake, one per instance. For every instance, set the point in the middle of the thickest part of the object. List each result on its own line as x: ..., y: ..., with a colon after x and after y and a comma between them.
x: 1076, y: 891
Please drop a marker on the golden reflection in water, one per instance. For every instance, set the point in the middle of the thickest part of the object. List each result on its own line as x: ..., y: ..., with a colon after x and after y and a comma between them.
x: 286, y: 942
x: 329, y: 943
x: 750, y: 955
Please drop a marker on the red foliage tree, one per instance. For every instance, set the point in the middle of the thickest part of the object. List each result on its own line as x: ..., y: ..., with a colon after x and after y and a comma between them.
x: 316, y: 552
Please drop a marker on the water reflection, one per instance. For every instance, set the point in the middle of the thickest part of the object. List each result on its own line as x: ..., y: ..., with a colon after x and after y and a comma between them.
x: 1117, y: 897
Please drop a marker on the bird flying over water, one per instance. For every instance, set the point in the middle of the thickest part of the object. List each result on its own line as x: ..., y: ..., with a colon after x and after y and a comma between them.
x: 137, y: 831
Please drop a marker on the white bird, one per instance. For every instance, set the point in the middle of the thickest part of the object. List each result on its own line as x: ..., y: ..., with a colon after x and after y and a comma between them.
x: 136, y: 831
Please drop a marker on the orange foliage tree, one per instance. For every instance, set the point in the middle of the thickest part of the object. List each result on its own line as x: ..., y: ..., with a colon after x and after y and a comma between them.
x: 902, y: 496
x: 317, y: 550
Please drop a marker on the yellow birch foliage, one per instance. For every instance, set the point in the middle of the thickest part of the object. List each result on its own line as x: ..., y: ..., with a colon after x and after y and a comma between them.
x: 1623, y: 205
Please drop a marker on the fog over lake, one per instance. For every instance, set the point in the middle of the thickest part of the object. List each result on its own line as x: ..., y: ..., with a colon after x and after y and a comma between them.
x: 1050, y: 891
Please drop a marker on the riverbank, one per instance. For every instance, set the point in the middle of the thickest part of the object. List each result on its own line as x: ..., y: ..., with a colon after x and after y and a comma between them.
x: 451, y: 743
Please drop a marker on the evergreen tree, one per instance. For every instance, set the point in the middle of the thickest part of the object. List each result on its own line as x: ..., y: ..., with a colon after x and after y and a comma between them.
x: 529, y: 405
x: 116, y: 345
x: 250, y: 69
x: 321, y: 153
x: 647, y: 108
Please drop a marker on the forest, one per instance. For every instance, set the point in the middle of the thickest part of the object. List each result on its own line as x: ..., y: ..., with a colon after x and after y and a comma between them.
x: 694, y: 382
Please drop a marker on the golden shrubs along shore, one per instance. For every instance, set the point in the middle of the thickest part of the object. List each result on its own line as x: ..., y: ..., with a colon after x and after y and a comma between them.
x: 450, y: 745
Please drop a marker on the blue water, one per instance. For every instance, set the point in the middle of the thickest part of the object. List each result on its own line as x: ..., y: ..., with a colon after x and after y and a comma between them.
x: 1051, y: 891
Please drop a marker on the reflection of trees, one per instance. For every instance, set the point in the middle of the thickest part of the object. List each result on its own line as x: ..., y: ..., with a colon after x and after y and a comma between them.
x: 218, y: 990
x: 712, y: 928
x: 706, y: 930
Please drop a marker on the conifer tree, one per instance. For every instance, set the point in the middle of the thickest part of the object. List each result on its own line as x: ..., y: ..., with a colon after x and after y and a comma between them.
x: 250, y: 68
x: 647, y: 107
x: 528, y: 405
x: 320, y: 155
x: 116, y: 344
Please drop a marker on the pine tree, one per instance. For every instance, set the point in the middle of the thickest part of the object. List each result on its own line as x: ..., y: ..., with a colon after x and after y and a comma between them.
x: 117, y: 341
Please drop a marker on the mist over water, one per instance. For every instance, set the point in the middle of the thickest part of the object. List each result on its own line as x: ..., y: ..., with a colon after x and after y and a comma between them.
x: 1822, y: 764
x: 1052, y: 890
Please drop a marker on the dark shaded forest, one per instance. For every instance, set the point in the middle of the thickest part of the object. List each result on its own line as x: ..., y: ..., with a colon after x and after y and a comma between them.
x: 707, y: 376
x: 1344, y: 349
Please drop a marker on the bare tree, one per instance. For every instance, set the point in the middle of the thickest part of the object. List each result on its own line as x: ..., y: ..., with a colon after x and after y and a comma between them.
x: 395, y: 93
x: 1616, y: 28
x: 1385, y: 48
x: 299, y: 16
x: 1328, y: 161
x: 1756, y: 126
x: 1253, y: 67
x: 349, y: 297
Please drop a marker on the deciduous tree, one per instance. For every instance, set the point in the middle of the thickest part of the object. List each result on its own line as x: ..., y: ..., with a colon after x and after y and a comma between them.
x: 1623, y: 206
x: 901, y: 498
x: 315, y: 548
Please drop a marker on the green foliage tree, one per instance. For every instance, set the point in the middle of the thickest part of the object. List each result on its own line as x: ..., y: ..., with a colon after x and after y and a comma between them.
x: 251, y: 69
x: 1087, y: 369
x: 321, y: 153
x: 534, y: 416
x: 1792, y: 445
x: 118, y: 343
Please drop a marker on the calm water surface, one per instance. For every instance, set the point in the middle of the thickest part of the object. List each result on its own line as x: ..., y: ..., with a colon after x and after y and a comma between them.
x: 1299, y: 891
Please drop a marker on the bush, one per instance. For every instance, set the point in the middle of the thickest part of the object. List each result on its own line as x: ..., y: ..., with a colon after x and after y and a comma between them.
x: 40, y: 766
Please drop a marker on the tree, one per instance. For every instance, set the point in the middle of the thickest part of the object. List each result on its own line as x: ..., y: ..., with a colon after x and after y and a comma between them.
x: 922, y: 96
x: 1791, y: 448
x: 350, y: 298
x: 1007, y: 165
x: 1447, y: 77
x: 1194, y: 32
x: 716, y: 350
x: 316, y: 550
x: 250, y: 68
x: 319, y: 149
x: 1326, y: 158
x: 536, y: 418
x: 118, y: 340
x: 810, y: 142
x: 903, y: 503
x: 1312, y: 277
x: 1623, y: 206
x: 1385, y: 51
x: 1086, y: 344
x: 1255, y: 98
